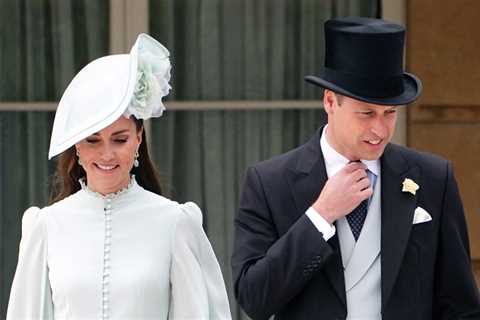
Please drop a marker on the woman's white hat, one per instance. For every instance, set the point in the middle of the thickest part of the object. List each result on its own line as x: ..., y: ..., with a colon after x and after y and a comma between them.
x: 109, y: 87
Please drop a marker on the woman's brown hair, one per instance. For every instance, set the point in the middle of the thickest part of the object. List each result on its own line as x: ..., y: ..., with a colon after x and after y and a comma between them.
x: 65, y: 180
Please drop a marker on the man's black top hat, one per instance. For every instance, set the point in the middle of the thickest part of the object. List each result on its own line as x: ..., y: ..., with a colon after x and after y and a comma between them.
x: 364, y: 61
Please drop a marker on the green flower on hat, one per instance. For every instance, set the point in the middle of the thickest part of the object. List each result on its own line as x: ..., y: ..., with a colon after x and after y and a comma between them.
x: 153, y: 75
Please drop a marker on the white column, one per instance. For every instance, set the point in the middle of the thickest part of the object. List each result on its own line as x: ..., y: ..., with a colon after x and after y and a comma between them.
x: 395, y: 11
x: 128, y: 18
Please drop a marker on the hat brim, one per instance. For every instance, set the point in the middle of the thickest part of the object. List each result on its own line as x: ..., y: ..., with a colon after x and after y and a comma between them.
x: 412, y: 90
x: 100, y: 94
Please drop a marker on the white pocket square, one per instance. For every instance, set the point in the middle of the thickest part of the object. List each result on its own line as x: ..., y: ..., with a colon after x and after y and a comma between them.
x: 421, y: 215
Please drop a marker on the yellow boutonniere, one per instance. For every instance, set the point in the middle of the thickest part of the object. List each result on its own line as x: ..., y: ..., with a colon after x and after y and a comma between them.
x: 410, y: 186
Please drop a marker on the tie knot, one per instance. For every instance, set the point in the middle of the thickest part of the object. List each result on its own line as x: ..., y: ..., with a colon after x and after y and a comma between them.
x: 372, y: 177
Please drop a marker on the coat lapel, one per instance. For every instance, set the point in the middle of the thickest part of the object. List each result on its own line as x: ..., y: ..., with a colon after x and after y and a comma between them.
x: 397, y: 216
x: 306, y: 179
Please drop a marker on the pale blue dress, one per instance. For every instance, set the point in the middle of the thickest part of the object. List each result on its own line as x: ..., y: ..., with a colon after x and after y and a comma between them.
x: 129, y: 255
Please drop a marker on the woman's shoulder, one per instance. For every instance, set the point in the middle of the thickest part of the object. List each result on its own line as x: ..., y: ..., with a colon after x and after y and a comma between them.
x: 165, y: 203
x: 189, y: 236
x: 186, y: 212
x: 61, y: 205
x: 188, y: 221
x: 191, y: 212
x: 164, y: 208
x: 33, y: 221
x: 31, y: 215
x: 36, y: 217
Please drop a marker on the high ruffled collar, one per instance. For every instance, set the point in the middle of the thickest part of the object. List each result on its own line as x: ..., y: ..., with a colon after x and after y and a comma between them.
x: 112, y: 195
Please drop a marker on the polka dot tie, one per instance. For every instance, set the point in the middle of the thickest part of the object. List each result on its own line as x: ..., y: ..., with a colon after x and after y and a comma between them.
x: 357, y: 217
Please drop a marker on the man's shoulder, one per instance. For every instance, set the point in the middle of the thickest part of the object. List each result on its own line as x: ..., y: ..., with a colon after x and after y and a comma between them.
x: 425, y: 160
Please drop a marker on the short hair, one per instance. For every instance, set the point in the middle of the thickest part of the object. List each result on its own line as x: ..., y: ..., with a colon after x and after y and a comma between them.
x: 339, y: 97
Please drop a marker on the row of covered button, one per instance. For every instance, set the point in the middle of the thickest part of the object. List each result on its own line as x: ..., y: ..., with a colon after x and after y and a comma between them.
x: 106, y: 259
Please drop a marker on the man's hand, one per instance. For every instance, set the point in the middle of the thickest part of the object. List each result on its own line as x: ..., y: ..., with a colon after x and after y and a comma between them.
x: 343, y: 192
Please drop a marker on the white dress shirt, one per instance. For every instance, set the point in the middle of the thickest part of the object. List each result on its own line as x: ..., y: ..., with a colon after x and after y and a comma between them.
x: 334, y: 162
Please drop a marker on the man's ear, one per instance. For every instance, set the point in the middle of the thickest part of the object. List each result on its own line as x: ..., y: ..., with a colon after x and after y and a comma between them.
x: 329, y: 101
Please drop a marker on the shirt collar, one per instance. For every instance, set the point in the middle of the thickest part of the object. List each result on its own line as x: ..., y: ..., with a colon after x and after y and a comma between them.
x: 334, y: 161
x: 111, y: 196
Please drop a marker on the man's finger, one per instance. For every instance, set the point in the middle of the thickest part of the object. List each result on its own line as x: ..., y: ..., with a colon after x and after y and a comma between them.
x: 366, y: 193
x: 363, y: 184
x: 358, y: 175
x: 352, y: 166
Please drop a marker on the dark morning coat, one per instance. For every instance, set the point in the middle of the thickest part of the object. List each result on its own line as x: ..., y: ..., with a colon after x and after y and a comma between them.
x: 282, y: 266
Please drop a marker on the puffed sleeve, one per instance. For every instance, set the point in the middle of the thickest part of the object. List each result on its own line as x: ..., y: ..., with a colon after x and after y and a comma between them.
x: 197, y: 287
x: 30, y: 297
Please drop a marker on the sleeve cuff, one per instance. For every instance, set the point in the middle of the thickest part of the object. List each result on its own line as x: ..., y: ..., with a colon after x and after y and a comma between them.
x: 321, y: 224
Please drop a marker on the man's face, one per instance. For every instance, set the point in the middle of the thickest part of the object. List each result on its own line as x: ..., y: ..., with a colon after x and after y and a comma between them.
x: 356, y: 129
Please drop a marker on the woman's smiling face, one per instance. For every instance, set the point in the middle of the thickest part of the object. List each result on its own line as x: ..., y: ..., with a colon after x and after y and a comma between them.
x: 107, y: 156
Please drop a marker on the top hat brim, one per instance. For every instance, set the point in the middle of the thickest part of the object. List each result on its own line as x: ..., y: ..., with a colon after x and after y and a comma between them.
x: 412, y: 89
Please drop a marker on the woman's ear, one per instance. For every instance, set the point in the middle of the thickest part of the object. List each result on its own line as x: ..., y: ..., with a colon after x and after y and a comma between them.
x: 139, y: 136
